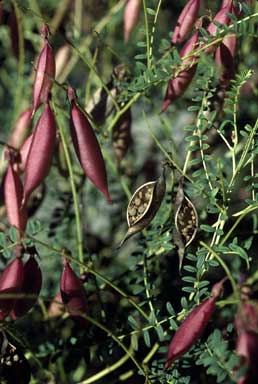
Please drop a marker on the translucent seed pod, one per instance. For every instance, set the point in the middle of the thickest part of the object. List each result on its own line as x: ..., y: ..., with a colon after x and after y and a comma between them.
x: 186, y: 222
x: 144, y: 205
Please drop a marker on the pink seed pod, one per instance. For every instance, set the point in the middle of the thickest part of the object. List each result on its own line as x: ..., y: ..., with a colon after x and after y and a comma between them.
x: 40, y: 153
x: 246, y: 318
x: 11, y: 282
x: 13, y: 192
x: 21, y: 129
x: 45, y: 72
x: 246, y: 348
x: 224, y: 58
x: 72, y: 292
x: 32, y: 283
x: 131, y: 13
x: 186, y: 21
x: 178, y: 85
x: 193, y: 326
x: 222, y: 18
x: 87, y: 147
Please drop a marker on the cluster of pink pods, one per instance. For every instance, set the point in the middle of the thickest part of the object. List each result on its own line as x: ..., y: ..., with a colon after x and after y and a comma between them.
x: 224, y: 55
x: 29, y: 157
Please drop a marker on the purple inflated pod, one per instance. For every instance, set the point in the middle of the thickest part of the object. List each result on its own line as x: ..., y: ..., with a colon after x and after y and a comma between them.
x: 224, y: 58
x: 21, y: 129
x: 186, y: 21
x: 40, y: 153
x: 178, y: 85
x: 13, y: 193
x: 222, y: 18
x: 87, y: 147
x: 32, y: 283
x: 193, y: 326
x: 45, y: 72
x: 72, y: 292
x: 11, y: 282
x: 131, y: 13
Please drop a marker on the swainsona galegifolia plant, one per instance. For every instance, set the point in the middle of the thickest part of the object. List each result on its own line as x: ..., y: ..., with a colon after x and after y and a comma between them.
x: 87, y: 147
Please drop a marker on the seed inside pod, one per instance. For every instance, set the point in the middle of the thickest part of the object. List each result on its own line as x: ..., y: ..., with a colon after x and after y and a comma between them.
x: 144, y: 205
x: 186, y: 221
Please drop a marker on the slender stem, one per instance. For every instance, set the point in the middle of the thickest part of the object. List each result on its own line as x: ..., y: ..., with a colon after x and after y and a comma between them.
x: 74, y: 193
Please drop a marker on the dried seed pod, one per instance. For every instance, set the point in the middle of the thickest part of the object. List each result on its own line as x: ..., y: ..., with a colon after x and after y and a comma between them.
x: 87, y: 147
x: 45, y: 72
x: 131, y: 13
x: 32, y: 283
x: 40, y: 153
x: 11, y: 282
x: 14, y: 366
x: 186, y: 21
x: 121, y: 135
x: 21, y: 129
x: 13, y: 192
x: 193, y: 326
x: 72, y: 292
x: 144, y: 205
x: 178, y: 85
x: 186, y: 222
